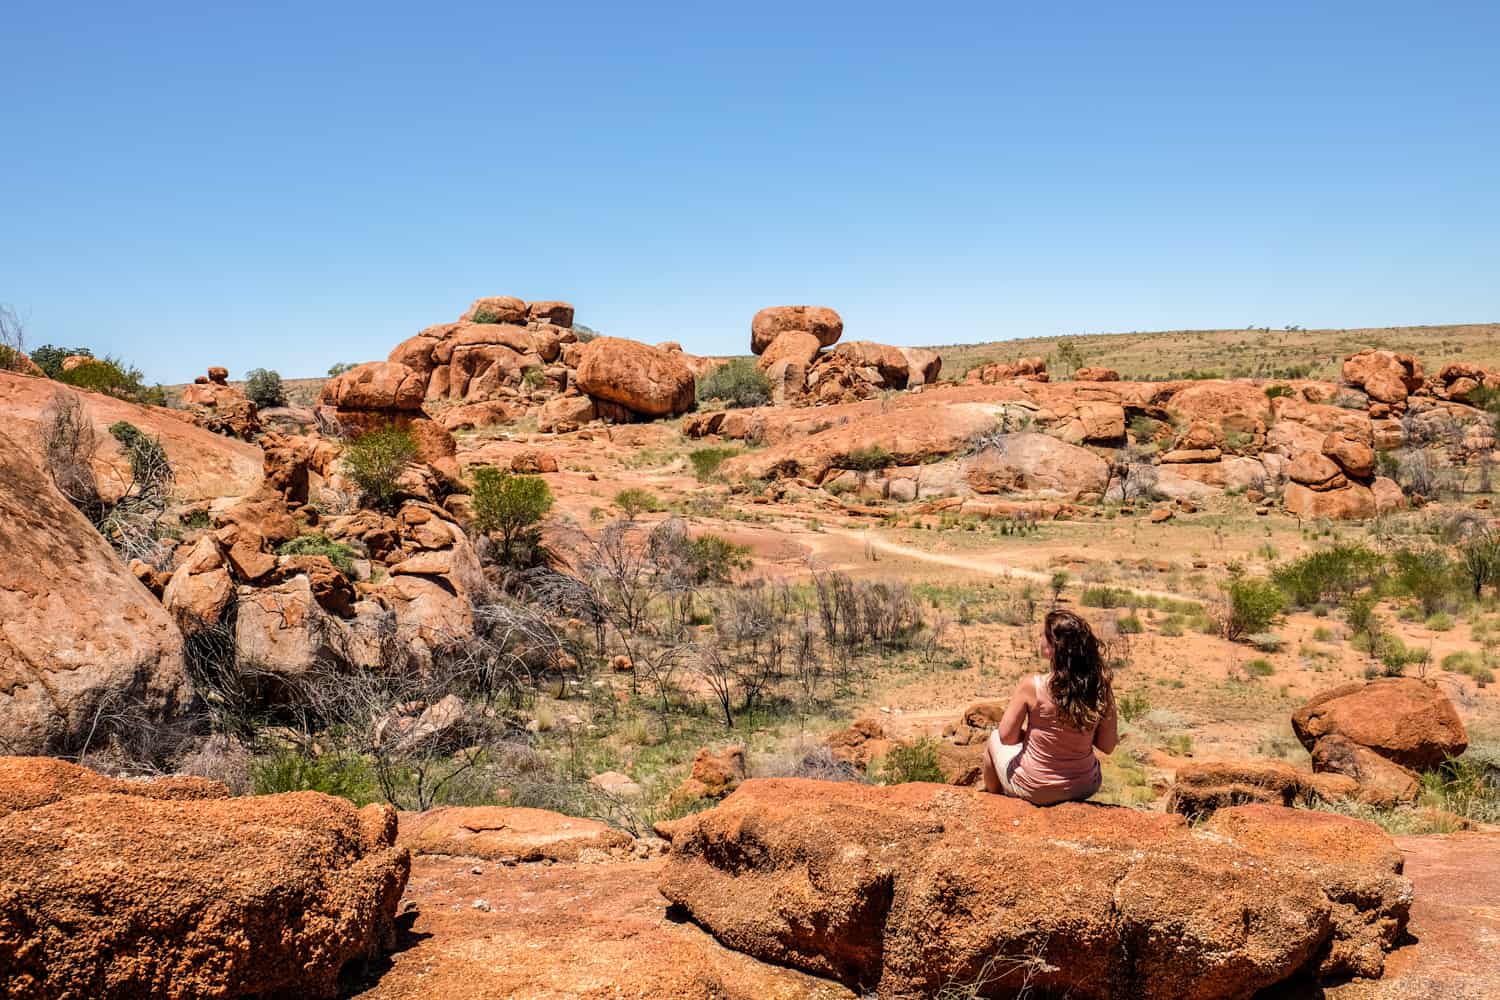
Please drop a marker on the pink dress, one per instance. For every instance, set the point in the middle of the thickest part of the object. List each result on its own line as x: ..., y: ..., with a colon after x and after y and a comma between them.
x: 1055, y: 762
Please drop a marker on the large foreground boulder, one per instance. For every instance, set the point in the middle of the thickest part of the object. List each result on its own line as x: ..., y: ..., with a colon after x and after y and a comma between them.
x: 144, y: 892
x: 81, y: 639
x: 645, y: 380
x: 909, y: 889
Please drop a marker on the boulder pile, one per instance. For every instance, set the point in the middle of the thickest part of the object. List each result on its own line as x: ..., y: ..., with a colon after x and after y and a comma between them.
x: 1382, y: 734
x: 505, y: 357
x: 220, y: 407
x: 116, y: 889
x: 792, y: 341
x: 908, y: 889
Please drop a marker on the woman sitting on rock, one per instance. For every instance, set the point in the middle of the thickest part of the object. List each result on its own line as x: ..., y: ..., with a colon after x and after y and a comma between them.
x: 1065, y: 715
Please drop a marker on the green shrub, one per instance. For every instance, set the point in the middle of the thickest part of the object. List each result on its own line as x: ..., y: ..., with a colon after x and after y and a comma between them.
x: 706, y: 461
x: 264, y: 388
x: 1328, y: 575
x: 1260, y: 668
x: 714, y: 558
x: 150, y: 469
x: 1440, y: 622
x: 1277, y: 391
x: 912, y: 762
x: 1254, y: 603
x: 736, y: 383
x: 1429, y: 576
x: 1129, y: 625
x: 511, y: 506
x: 636, y: 501
x: 112, y: 377
x: 1104, y: 597
x: 332, y: 774
x: 1132, y: 706
x: 1172, y: 626
x: 868, y: 459
x: 50, y: 358
x: 339, y: 367
x: 319, y: 544
x: 376, y: 460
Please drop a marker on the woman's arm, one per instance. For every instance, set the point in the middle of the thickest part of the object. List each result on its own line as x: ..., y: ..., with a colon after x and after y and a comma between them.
x: 1015, y: 713
x: 1107, y: 733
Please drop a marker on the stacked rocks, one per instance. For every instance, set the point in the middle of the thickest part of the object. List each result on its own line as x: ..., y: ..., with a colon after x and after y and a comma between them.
x: 1338, y: 481
x: 791, y: 342
x: 219, y: 406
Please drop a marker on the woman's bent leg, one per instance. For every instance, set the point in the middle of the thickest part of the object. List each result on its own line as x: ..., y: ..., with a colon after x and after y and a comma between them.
x: 996, y: 763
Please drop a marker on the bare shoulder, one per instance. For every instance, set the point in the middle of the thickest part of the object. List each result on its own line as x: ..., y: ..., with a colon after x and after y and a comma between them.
x: 1025, y: 690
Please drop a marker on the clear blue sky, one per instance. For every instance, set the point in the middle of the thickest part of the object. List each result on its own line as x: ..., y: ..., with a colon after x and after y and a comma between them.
x: 294, y: 184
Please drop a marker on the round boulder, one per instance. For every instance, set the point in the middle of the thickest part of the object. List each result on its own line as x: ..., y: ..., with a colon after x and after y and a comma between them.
x: 1403, y: 719
x: 641, y: 378
x: 773, y: 321
x: 376, y: 385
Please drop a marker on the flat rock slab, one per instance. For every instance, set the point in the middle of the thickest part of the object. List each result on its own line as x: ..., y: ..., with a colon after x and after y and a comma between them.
x: 912, y: 889
x: 508, y: 833
x: 565, y: 932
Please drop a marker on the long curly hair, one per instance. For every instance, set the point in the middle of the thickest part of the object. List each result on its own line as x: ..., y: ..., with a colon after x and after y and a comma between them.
x: 1080, y: 683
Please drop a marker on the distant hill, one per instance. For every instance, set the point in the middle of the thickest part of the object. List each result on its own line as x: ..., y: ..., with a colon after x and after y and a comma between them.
x: 1239, y: 353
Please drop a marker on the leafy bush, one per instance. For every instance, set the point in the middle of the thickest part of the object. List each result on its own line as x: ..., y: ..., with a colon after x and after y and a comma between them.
x: 115, y: 378
x: 736, y: 383
x: 706, y: 461
x: 1104, y: 597
x: 339, y: 367
x: 149, y: 467
x: 511, y: 506
x: 1440, y: 622
x: 636, y: 501
x: 1429, y: 576
x: 912, y: 762
x: 319, y: 544
x: 1129, y: 625
x: 1328, y: 575
x: 1260, y: 668
x: 49, y: 358
x: 1254, y: 603
x: 868, y: 459
x: 332, y: 774
x: 714, y: 558
x: 376, y: 460
x: 264, y: 388
x: 1279, y: 390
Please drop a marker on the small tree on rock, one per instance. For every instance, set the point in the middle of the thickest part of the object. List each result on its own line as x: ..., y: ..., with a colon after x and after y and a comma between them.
x: 511, y: 507
x: 264, y: 388
x: 376, y: 460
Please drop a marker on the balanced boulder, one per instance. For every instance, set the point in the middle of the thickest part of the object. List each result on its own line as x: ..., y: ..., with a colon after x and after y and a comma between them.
x: 773, y: 321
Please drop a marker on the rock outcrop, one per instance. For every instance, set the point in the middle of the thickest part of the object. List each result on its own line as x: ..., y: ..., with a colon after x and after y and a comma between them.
x: 115, y: 889
x: 908, y: 889
x: 1202, y: 788
x: 220, y: 407
x: 773, y: 321
x: 80, y: 637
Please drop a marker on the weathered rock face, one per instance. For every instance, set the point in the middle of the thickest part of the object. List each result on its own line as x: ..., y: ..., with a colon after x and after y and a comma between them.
x: 715, y: 774
x: 1027, y: 369
x: 1385, y: 376
x: 643, y: 379
x: 910, y: 888
x: 1204, y: 787
x: 495, y: 309
x: 773, y: 321
x: 78, y: 632
x: 1405, y: 720
x: 1037, y: 465
x: 375, y: 385
x: 795, y: 346
x: 1379, y: 782
x: 119, y: 889
x: 889, y: 361
x: 1348, y: 501
x: 1096, y: 375
x: 507, y: 833
x: 208, y: 465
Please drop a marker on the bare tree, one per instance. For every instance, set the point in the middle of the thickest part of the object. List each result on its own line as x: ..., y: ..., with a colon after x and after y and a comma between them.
x: 70, y: 445
x: 12, y: 341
